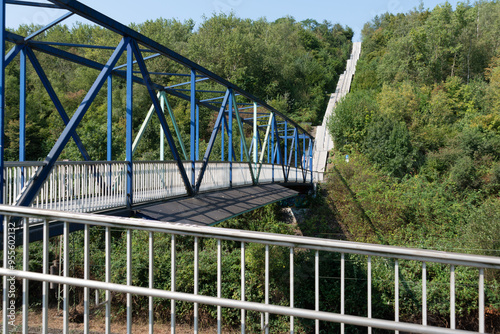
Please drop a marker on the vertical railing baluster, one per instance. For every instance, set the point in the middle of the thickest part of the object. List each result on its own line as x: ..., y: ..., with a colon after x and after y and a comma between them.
x: 243, y: 283
x: 26, y: 258
x: 424, y: 294
x: 316, y: 287
x: 481, y: 301
x: 86, y: 276
x: 151, y: 280
x: 5, y: 295
x: 396, y: 292
x: 452, y: 297
x: 108, y: 278
x: 129, y: 280
x: 369, y: 291
x: 292, y: 291
x: 342, y: 290
x: 219, y: 285
x: 196, y: 264
x: 66, y: 274
x: 45, y: 285
x: 172, y: 285
x: 266, y: 315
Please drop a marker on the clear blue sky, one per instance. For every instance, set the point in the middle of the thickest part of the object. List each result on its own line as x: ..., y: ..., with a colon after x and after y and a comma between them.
x: 354, y: 13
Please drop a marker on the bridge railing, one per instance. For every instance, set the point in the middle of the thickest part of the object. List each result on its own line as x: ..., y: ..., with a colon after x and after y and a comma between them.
x: 71, y: 186
x: 101, y: 185
x: 101, y: 227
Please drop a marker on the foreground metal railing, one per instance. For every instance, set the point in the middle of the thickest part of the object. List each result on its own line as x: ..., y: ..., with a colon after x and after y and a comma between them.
x: 100, y: 185
x: 18, y: 217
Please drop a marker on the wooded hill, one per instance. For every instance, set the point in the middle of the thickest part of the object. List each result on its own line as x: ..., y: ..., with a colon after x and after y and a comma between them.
x: 422, y: 130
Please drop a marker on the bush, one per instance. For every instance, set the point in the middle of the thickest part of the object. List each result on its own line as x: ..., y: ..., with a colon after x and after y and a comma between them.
x: 387, y: 145
x: 350, y: 119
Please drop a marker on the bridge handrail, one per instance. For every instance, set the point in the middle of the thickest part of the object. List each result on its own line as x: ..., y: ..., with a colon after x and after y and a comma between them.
x: 294, y: 243
x: 426, y: 255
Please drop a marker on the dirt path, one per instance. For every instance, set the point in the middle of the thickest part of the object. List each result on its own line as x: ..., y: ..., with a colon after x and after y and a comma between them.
x: 97, y: 325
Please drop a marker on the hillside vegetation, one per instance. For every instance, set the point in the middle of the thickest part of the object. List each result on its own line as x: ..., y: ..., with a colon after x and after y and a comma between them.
x: 422, y: 130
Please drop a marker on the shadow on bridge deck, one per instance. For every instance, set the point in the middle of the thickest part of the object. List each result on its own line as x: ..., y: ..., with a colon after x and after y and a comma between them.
x: 215, y: 207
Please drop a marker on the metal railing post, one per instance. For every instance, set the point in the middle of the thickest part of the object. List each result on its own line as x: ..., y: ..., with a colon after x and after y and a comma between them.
x: 424, y: 294
x: 452, y: 297
x: 219, y: 285
x: 196, y: 281
x: 151, y: 281
x: 292, y: 291
x: 243, y: 322
x: 172, y: 283
x: 316, y: 287
x: 26, y: 268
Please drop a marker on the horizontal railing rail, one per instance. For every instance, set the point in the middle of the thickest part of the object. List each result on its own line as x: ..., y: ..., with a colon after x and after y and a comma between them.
x: 295, y: 245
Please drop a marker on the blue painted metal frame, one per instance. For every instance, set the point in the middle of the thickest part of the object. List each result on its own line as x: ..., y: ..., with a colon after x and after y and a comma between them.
x: 129, y: 106
x: 109, y: 150
x: 57, y: 103
x: 130, y: 41
x: 193, y: 135
x: 34, y: 187
x: 211, y: 142
x: 161, y: 116
x: 48, y: 26
x: 31, y: 4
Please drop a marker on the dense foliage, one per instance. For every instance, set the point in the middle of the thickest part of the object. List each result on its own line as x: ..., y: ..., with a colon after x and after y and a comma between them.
x: 290, y: 64
x: 422, y: 130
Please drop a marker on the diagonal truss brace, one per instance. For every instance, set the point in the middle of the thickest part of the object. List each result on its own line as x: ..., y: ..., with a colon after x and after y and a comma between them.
x: 35, y: 184
x: 55, y: 100
x: 242, y: 135
x: 163, y: 121
x: 163, y: 102
x: 212, y: 141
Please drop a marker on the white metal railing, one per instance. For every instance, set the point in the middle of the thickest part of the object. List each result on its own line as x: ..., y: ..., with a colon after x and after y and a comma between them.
x: 154, y: 180
x: 100, y: 185
x: 294, y: 245
x: 71, y: 186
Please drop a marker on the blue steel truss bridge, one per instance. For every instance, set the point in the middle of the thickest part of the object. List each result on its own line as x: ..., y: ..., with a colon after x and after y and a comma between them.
x: 258, y: 144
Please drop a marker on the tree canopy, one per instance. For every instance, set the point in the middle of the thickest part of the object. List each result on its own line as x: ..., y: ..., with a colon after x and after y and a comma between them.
x: 289, y: 64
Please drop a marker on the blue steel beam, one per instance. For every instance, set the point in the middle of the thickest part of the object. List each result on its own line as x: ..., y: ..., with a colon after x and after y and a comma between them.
x: 105, y: 21
x: 129, y: 106
x: 211, y: 143
x: 88, y: 46
x: 161, y: 116
x: 12, y: 53
x: 109, y: 151
x: 224, y: 120
x: 48, y: 26
x: 56, y: 101
x: 230, y: 138
x: 243, y: 141
x: 22, y: 108
x: 31, y: 4
x: 73, y: 45
x: 192, y: 128
x: 135, y: 62
x: 188, y: 82
x: 42, y: 173
x: 95, y: 65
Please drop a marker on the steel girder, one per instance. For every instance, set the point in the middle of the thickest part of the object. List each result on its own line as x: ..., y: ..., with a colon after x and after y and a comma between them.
x: 234, y: 107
